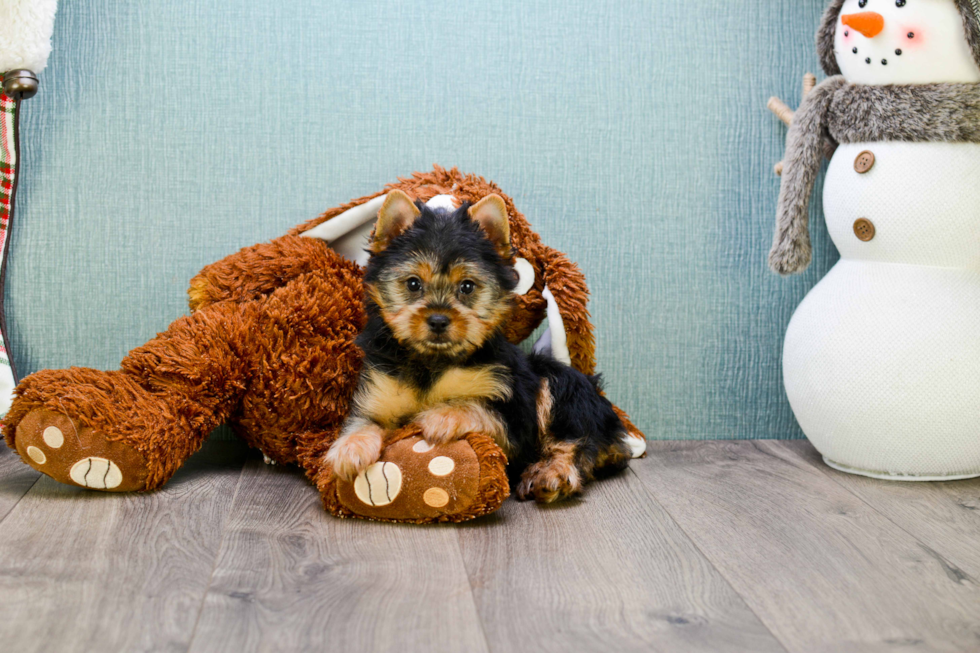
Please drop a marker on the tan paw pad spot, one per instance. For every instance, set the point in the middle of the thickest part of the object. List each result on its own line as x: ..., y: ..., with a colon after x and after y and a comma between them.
x: 379, y: 484
x: 37, y: 455
x: 435, y: 497
x: 421, y: 447
x: 96, y: 473
x: 441, y: 466
x: 53, y: 437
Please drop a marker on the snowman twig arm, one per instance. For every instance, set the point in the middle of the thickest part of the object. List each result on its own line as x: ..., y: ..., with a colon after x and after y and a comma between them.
x: 785, y: 114
x: 791, y: 250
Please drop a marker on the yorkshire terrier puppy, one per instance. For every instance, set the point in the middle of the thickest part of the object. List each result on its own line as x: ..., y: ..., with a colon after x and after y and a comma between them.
x: 439, y: 286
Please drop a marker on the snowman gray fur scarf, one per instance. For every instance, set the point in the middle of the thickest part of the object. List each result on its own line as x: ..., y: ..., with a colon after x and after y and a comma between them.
x: 838, y: 112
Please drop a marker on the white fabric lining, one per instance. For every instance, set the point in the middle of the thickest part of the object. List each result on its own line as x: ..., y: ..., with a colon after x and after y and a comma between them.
x: 348, y: 233
x: 554, y: 341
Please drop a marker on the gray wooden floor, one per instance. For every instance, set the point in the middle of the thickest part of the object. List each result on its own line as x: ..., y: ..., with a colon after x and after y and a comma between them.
x: 704, y: 546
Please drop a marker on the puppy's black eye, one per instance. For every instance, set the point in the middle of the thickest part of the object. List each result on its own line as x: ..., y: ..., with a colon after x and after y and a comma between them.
x: 467, y: 287
x: 414, y: 284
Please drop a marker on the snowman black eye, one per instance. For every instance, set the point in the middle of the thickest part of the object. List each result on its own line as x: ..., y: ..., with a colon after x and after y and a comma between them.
x: 862, y: 3
x: 899, y: 3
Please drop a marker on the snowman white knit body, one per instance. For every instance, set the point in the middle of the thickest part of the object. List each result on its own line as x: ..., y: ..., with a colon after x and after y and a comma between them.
x: 882, y: 358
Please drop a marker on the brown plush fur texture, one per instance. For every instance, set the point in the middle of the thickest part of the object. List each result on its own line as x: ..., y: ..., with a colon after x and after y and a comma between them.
x: 828, y: 31
x: 838, y: 112
x: 269, y: 348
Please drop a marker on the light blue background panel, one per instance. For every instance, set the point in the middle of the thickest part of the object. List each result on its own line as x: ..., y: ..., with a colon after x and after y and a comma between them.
x: 634, y: 136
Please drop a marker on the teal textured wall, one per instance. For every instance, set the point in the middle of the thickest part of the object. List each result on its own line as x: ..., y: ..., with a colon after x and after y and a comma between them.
x: 632, y: 134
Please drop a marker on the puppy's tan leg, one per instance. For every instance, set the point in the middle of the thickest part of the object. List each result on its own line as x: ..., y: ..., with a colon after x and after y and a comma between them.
x: 556, y: 476
x: 452, y: 421
x: 567, y: 465
x: 357, y: 448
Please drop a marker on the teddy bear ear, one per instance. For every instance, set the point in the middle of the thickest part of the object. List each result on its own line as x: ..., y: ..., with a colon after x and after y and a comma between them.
x: 397, y: 214
x: 491, y: 214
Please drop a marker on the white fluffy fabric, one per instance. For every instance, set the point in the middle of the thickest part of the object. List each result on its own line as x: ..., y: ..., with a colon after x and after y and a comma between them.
x: 25, y: 33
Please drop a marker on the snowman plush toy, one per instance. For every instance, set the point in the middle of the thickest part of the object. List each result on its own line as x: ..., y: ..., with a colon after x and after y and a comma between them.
x: 882, y: 358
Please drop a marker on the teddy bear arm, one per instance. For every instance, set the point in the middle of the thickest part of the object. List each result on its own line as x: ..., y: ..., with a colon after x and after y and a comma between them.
x: 258, y: 270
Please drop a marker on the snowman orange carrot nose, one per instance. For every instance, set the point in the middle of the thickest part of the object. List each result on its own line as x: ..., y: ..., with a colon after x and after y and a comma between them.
x: 868, y: 23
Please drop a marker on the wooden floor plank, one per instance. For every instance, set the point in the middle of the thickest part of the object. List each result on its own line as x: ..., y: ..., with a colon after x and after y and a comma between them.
x: 822, y: 569
x: 88, y: 571
x: 16, y: 478
x: 945, y: 516
x: 292, y: 578
x: 609, y: 572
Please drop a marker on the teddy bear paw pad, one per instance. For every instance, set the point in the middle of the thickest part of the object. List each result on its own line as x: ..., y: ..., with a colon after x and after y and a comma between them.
x: 54, y: 444
x: 379, y: 484
x: 415, y: 480
x: 435, y: 497
x: 96, y: 473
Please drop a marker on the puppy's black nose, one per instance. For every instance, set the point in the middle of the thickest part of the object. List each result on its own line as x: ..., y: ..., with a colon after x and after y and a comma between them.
x: 438, y: 323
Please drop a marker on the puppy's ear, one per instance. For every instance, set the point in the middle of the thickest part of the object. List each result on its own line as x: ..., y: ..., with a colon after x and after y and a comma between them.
x: 395, y: 216
x: 491, y: 214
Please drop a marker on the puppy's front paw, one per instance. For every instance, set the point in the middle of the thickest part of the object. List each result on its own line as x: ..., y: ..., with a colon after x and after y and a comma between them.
x: 444, y: 424
x: 550, y: 480
x: 355, y: 451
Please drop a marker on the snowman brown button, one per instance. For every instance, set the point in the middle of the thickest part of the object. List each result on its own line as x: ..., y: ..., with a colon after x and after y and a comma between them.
x: 864, y: 229
x: 864, y: 162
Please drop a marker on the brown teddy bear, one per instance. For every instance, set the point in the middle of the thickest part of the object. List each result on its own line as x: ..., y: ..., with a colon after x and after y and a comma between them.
x: 269, y: 348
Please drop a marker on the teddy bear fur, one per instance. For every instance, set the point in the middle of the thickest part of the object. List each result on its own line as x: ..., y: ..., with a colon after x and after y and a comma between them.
x: 269, y: 349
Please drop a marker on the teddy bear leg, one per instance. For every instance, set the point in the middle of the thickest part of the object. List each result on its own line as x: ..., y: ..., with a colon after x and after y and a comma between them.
x: 133, y: 428
x: 416, y: 482
x: 88, y: 428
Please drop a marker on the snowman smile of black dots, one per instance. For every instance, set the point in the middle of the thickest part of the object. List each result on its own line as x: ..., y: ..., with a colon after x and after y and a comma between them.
x: 903, y: 42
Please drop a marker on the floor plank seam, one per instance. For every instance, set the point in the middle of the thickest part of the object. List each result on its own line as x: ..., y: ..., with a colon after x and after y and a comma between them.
x: 653, y: 497
x: 830, y: 473
x: 3, y: 518
x: 469, y: 583
x: 217, y: 556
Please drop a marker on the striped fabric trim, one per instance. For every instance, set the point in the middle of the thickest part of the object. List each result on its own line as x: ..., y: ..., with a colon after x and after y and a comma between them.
x: 8, y: 186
